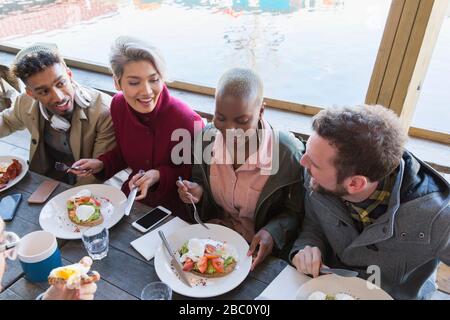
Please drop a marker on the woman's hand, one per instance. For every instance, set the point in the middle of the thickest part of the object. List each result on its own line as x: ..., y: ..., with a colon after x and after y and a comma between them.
x: 85, y: 291
x: 189, y: 190
x: 264, y: 240
x: 144, y: 181
x: 86, y: 167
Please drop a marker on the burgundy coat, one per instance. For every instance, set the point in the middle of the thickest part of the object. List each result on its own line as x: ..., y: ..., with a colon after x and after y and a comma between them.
x: 148, y: 146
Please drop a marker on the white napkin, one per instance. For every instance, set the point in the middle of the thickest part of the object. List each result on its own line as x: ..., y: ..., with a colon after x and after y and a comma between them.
x: 284, y: 286
x: 149, y: 243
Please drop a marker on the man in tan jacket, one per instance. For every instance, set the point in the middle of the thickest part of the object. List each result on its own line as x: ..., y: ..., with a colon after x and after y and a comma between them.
x: 67, y: 122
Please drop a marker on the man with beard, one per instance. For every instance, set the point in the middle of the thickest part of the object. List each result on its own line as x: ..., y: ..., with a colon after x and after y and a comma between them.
x: 66, y: 121
x: 371, y: 203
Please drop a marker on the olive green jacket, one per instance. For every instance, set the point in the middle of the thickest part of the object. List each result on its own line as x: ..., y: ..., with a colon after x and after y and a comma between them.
x: 279, y: 209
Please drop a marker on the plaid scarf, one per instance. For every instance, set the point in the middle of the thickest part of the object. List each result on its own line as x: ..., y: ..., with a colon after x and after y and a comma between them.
x: 366, y: 212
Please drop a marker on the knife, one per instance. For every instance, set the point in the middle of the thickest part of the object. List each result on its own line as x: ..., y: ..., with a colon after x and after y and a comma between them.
x: 130, y: 200
x: 132, y: 196
x: 174, y: 261
x: 339, y: 272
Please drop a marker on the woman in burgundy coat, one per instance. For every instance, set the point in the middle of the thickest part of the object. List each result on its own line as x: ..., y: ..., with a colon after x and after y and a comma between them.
x: 144, y: 117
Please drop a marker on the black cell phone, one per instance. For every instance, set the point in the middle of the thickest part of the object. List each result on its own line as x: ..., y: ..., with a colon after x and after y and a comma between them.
x: 151, y: 219
x: 9, y: 205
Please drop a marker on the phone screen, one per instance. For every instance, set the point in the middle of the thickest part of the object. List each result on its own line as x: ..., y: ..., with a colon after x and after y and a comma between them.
x: 151, y: 218
x: 8, y: 206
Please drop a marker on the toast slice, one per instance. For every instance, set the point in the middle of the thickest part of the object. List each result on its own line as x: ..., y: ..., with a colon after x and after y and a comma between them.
x: 73, y: 214
x: 73, y: 276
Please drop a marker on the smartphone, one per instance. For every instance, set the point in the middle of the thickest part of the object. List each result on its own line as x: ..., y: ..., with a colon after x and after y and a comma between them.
x: 9, y: 205
x: 151, y: 218
x: 45, y: 189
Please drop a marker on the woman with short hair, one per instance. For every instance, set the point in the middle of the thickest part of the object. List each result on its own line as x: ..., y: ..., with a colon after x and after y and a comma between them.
x: 252, y: 182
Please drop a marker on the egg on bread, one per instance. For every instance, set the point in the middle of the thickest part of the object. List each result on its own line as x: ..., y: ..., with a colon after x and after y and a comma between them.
x: 84, y: 209
x: 208, y: 258
x: 73, y: 275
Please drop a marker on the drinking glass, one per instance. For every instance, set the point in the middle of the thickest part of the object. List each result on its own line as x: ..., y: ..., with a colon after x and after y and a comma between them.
x: 96, y: 242
x: 156, y: 291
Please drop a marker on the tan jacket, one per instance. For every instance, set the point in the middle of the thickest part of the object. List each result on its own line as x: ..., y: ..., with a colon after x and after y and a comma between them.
x: 7, y: 94
x: 91, y: 132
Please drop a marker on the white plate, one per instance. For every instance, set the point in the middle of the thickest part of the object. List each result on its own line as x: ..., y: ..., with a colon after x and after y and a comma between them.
x: 203, y: 287
x: 54, y: 216
x: 333, y: 284
x: 20, y: 176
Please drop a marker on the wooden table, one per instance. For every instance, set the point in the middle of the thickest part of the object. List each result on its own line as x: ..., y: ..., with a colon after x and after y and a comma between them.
x: 124, y: 272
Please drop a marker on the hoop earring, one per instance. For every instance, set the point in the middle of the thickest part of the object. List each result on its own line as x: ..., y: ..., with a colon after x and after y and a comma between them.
x: 258, y: 131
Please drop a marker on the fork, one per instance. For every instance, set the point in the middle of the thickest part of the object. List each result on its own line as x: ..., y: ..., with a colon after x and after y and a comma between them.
x: 64, y: 167
x: 196, y: 215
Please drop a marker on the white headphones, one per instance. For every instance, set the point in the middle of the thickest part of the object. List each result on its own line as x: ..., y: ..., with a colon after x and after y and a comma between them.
x: 82, y: 99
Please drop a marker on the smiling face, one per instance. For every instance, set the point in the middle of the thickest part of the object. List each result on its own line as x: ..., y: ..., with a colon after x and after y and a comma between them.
x: 319, y: 161
x: 53, y: 88
x: 141, y: 85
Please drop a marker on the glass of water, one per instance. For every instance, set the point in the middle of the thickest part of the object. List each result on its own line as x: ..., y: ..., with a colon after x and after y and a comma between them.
x: 156, y: 291
x: 96, y: 242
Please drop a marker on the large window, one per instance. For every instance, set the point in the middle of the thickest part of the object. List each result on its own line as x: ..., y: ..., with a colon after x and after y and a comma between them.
x: 314, y: 52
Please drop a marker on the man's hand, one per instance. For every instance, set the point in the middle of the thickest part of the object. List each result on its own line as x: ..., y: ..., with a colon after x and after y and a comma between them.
x: 263, y: 239
x: 308, y: 260
x: 86, y: 167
